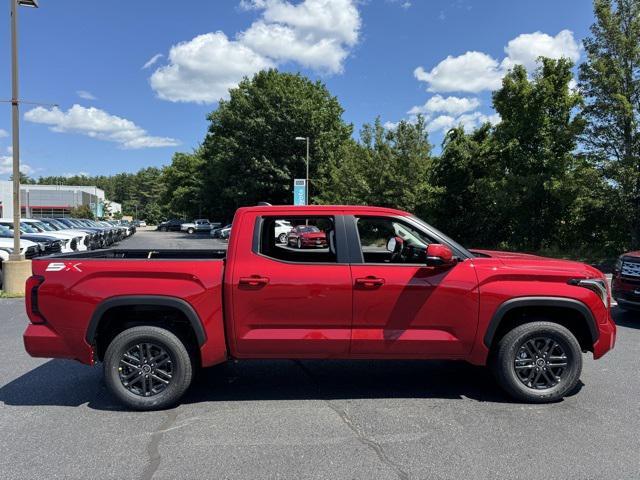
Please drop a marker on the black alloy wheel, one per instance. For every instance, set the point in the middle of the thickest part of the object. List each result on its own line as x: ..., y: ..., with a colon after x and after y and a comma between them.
x: 146, y: 369
x: 540, y: 363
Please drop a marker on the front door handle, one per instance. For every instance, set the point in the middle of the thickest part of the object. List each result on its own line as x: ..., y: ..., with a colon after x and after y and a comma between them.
x: 369, y: 282
x: 254, y: 281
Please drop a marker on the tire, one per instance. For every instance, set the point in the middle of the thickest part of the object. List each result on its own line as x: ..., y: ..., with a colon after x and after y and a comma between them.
x: 282, y: 238
x: 299, y: 243
x: 510, y: 365
x: 163, y: 229
x: 190, y: 231
x: 179, y: 363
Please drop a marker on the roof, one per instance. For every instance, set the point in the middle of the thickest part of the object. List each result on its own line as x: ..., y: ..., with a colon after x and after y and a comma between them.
x: 302, y: 209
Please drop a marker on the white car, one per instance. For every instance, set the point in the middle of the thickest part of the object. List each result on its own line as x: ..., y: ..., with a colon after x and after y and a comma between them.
x: 27, y: 248
x: 66, y: 241
x: 80, y: 243
x: 282, y: 228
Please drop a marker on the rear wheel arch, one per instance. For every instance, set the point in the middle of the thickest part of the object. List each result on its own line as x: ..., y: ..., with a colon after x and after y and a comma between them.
x: 570, y: 313
x: 114, y: 315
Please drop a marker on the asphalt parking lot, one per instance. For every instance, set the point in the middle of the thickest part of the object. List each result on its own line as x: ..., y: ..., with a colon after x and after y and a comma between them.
x: 312, y: 419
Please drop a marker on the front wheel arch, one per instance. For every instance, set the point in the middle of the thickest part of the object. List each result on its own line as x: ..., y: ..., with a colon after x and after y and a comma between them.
x: 572, y: 314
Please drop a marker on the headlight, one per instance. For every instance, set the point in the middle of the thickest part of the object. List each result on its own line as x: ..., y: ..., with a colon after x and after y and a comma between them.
x: 599, y: 286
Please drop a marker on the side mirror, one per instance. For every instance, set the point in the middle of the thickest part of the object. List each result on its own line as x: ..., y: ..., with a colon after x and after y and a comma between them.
x: 394, y: 244
x: 439, y: 255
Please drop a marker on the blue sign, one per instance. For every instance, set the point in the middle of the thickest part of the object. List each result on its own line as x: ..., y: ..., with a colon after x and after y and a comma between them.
x: 299, y: 191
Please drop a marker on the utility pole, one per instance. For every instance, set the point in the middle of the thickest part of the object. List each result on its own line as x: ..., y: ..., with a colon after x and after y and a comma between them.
x: 306, y: 192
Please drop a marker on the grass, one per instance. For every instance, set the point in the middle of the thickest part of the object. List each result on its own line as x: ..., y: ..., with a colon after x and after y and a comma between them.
x: 11, y: 295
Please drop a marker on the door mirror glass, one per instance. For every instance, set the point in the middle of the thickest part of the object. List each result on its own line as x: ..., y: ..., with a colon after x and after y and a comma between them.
x: 391, y: 244
x: 438, y: 254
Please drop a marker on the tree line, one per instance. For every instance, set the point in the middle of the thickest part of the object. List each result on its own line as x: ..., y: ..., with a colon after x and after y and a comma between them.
x: 560, y: 171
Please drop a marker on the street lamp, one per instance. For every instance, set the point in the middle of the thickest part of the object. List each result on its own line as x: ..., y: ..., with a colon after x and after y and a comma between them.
x: 306, y: 184
x: 16, y: 254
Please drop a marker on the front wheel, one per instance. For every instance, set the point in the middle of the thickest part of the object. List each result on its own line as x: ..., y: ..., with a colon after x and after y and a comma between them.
x: 147, y: 368
x: 299, y: 243
x: 538, y: 362
x: 190, y: 231
x: 282, y: 238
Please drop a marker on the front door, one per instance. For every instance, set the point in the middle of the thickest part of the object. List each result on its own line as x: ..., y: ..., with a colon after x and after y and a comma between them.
x: 403, y: 307
x: 292, y: 299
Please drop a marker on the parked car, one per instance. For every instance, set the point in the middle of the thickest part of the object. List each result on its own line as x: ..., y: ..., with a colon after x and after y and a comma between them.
x: 105, y: 236
x: 27, y: 248
x: 77, y: 240
x: 199, y: 225
x: 91, y: 239
x: 170, y: 225
x: 625, y: 282
x: 307, y: 236
x: 283, y: 227
x: 139, y: 223
x: 389, y: 286
x: 50, y: 243
x: 217, y: 232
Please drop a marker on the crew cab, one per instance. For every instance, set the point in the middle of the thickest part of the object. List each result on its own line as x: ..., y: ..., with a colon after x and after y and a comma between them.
x: 386, y: 286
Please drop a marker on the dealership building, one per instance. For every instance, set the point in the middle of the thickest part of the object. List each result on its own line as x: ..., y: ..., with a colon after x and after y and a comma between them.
x: 55, y: 200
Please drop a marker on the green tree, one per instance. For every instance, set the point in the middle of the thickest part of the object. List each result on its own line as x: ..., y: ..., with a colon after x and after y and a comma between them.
x: 610, y: 83
x: 535, y: 144
x: 385, y: 168
x: 83, y: 211
x: 183, y: 185
x: 250, y: 153
x: 468, y: 180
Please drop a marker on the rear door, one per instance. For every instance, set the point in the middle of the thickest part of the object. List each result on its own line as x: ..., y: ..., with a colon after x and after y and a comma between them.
x: 403, y: 307
x: 289, y: 301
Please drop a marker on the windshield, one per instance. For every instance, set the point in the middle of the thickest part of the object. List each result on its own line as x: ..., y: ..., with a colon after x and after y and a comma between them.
x: 43, y: 227
x: 309, y: 229
x: 52, y: 223
x: 438, y: 233
x: 26, y: 228
x: 5, y: 231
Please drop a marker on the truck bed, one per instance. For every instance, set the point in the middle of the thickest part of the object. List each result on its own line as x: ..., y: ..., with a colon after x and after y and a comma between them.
x: 144, y: 254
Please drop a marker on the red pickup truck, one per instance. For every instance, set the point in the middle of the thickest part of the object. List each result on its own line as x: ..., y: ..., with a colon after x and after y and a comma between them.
x: 386, y: 286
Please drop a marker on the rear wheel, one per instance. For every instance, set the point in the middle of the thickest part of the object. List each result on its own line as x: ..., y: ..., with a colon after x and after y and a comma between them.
x: 282, y: 238
x: 538, y: 362
x: 299, y: 243
x: 147, y: 368
x: 163, y: 229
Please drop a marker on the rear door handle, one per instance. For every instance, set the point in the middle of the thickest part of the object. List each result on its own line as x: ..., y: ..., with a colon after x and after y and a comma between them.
x: 369, y: 282
x: 254, y: 281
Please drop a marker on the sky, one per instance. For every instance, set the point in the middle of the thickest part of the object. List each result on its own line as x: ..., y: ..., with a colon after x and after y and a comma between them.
x: 134, y: 81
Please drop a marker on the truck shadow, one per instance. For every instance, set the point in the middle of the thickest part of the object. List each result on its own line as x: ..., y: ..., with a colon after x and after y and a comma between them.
x: 67, y: 383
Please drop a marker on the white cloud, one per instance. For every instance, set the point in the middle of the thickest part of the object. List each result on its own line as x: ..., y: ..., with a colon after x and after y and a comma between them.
x: 470, y: 72
x: 96, y: 123
x: 6, y: 166
x: 469, y: 121
x: 317, y: 34
x: 152, y: 61
x: 203, y: 69
x: 526, y: 48
x: 3, y: 133
x: 477, y: 71
x: 450, y: 105
x: 85, y: 95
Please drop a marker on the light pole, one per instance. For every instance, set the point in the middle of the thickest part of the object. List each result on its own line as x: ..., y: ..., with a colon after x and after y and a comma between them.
x: 16, y: 255
x: 306, y: 183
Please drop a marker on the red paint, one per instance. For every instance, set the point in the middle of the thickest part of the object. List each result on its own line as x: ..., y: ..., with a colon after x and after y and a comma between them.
x: 283, y: 309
